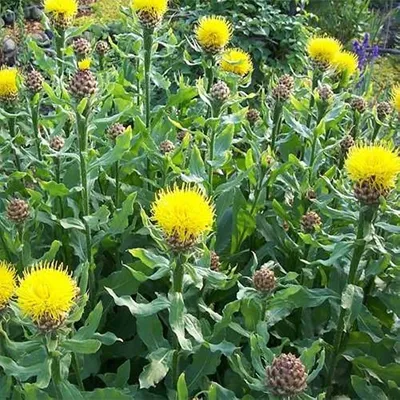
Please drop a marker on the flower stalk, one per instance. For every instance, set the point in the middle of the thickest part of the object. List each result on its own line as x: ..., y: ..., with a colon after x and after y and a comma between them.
x: 60, y: 44
x: 148, y: 45
x: 277, y: 123
x: 35, y: 125
x: 11, y: 129
x: 315, y: 78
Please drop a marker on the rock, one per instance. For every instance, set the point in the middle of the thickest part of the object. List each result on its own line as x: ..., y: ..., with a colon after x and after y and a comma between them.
x: 27, y: 12
x: 9, y: 17
x: 49, y: 34
x: 41, y: 39
x: 9, y: 46
x: 36, y: 13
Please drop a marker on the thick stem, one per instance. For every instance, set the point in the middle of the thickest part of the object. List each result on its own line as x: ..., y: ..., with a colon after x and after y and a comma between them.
x: 211, y: 158
x: 117, y: 185
x: 178, y: 275
x: 35, y: 126
x: 375, y: 133
x: 277, y: 123
x: 147, y: 44
x: 365, y: 220
x: 60, y: 43
x: 77, y: 370
x: 356, y: 124
x: 210, y: 74
x: 11, y: 128
x: 315, y: 78
x: 313, y: 148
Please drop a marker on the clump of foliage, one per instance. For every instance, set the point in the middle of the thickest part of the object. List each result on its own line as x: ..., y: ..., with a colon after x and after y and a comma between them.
x: 170, y: 233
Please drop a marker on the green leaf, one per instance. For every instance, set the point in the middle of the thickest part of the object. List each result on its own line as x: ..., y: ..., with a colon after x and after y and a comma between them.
x: 91, y: 324
x: 389, y: 372
x: 88, y: 346
x: 176, y: 320
x: 108, y: 394
x: 150, y: 332
x: 365, y: 390
x: 72, y: 223
x: 98, y: 219
x: 217, y: 392
x: 140, y: 309
x: 160, y: 363
x: 149, y: 258
x: 196, y: 164
x: 183, y: 393
x: 69, y: 391
x: 120, y: 221
x: 55, y: 189
x: 352, y: 300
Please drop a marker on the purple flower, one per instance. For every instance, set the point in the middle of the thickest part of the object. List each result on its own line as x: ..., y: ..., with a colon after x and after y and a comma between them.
x: 366, y: 55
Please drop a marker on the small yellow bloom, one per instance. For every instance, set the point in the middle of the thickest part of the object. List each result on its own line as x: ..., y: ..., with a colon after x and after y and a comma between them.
x: 66, y: 9
x: 157, y: 7
x: 184, y: 213
x: 236, y: 61
x: 84, y: 64
x: 8, y: 83
x: 323, y: 49
x: 7, y: 283
x: 396, y: 98
x: 345, y: 62
x: 46, y: 292
x: 213, y: 33
x: 378, y: 163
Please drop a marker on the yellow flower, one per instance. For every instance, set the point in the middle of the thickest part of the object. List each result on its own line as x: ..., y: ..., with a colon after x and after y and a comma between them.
x: 378, y: 164
x: 323, y: 49
x: 236, y: 61
x: 84, y: 64
x: 396, y: 98
x: 185, y: 214
x: 46, y: 292
x: 66, y: 9
x: 7, y: 283
x: 8, y: 83
x: 157, y: 7
x: 345, y: 62
x: 213, y: 33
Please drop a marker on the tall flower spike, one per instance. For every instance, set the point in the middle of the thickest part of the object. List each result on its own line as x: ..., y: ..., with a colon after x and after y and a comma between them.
x: 396, y: 98
x: 236, y: 61
x: 46, y: 294
x: 8, y: 84
x: 345, y: 62
x: 322, y: 50
x: 373, y: 169
x: 184, y: 215
x: 7, y: 284
x: 213, y: 33
x: 150, y: 12
x: 61, y: 12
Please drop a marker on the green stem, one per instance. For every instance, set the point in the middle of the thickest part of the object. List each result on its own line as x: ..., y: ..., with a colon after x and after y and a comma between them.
x: 210, y: 74
x: 175, y: 367
x: 211, y: 159
x: 60, y: 42
x: 178, y: 274
x: 277, y: 123
x: 147, y: 44
x: 356, y: 124
x: 364, y: 222
x: 11, y: 128
x: 101, y: 62
x: 35, y: 126
x: 315, y: 79
x: 77, y: 370
x: 313, y: 148
x: 117, y: 185
x: 375, y: 133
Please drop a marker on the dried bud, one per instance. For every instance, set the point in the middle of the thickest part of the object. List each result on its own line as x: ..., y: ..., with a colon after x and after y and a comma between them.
x: 149, y: 20
x: 34, y: 81
x: 253, y: 116
x: 82, y: 47
x: 102, y: 47
x: 178, y: 246
x: 325, y: 93
x: 167, y: 147
x: 287, y: 80
x: 287, y: 376
x: 368, y: 192
x: 115, y: 130
x: 83, y: 84
x: 264, y: 279
x: 358, y: 104
x: 220, y: 91
x: 310, y: 221
x: 57, y: 143
x: 281, y: 93
x: 383, y: 110
x: 346, y: 144
x: 18, y: 211
x: 311, y: 195
x: 181, y: 135
x: 215, y: 262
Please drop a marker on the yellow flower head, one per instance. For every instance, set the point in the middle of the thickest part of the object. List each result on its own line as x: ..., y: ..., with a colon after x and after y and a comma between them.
x: 157, y: 7
x: 46, y: 292
x: 184, y: 213
x: 8, y: 83
x: 345, y: 62
x: 66, y: 9
x: 323, y: 49
x: 377, y: 163
x: 7, y: 283
x: 236, y: 61
x: 396, y: 98
x: 84, y: 64
x: 213, y: 33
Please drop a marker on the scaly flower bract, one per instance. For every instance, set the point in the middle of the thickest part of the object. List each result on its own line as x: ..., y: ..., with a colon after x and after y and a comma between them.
x: 61, y: 8
x: 46, y: 292
x: 184, y: 213
x: 213, y: 33
x: 158, y: 7
x: 345, y: 62
x: 7, y: 283
x: 377, y: 163
x: 323, y: 49
x: 396, y: 98
x: 8, y: 83
x: 236, y: 61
